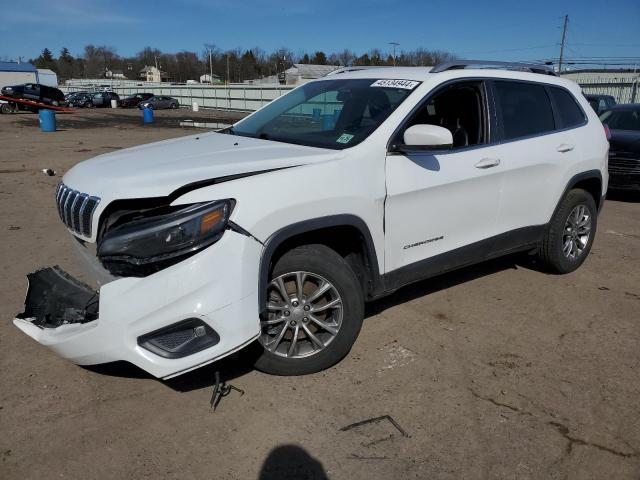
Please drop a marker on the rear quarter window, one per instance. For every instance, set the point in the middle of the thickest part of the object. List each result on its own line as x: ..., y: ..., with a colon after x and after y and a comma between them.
x: 569, y: 112
x: 525, y: 107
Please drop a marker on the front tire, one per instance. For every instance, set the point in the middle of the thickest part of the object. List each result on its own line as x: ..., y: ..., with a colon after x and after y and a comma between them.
x: 570, y: 233
x: 314, y: 311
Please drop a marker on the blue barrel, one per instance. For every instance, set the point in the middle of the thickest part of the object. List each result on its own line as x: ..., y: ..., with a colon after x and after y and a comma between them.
x: 147, y: 115
x: 316, y: 113
x: 47, y: 120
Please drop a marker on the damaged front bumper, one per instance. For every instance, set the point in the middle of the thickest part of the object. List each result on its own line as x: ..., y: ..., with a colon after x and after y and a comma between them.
x: 55, y: 298
x: 170, y: 322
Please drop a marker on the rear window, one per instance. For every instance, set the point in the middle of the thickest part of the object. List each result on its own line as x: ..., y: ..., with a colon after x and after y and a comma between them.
x: 526, y: 109
x: 569, y: 112
x: 622, y: 119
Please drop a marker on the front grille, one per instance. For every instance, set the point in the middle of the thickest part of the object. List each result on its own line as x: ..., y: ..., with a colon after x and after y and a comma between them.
x: 76, y: 209
x: 623, y: 164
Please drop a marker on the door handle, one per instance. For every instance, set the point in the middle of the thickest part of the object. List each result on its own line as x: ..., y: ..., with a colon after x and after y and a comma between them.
x: 487, y: 163
x: 564, y: 148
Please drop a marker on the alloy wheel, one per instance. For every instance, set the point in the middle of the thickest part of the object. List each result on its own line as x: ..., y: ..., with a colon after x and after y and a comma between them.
x: 577, y: 230
x: 304, y: 315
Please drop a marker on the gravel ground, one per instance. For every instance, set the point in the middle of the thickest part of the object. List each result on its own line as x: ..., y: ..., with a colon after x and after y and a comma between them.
x: 495, y: 371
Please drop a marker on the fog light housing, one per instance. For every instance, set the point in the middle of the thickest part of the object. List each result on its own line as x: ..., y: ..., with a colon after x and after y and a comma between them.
x: 180, y: 339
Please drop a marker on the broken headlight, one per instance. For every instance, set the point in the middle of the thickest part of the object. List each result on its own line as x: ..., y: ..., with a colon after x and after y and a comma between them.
x: 142, y: 246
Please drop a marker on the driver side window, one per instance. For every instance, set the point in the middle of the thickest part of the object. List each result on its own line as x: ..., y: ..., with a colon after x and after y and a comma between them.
x: 460, y: 108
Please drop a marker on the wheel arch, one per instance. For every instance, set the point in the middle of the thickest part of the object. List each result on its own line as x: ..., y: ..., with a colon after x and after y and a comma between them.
x: 347, y: 234
x: 591, y: 181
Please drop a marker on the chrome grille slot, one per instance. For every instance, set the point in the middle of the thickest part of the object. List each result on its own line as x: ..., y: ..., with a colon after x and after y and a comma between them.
x: 76, y: 209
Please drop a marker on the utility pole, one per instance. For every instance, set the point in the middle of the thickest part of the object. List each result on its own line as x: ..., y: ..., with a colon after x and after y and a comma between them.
x: 395, y: 44
x: 562, y: 42
x: 210, y: 68
x: 228, y: 91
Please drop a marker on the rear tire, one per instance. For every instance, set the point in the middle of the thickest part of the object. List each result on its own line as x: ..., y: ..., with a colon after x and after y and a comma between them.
x: 570, y: 233
x: 323, y: 334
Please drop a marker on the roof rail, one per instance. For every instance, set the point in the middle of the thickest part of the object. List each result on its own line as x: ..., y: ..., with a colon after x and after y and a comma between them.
x: 354, y: 69
x: 460, y: 64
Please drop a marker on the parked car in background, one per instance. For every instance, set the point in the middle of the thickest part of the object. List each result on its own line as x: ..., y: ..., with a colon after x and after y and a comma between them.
x: 623, y: 122
x: 35, y: 92
x: 159, y: 103
x: 103, y: 99
x: 69, y: 98
x: 600, y: 103
x: 134, y: 100
x: 80, y: 100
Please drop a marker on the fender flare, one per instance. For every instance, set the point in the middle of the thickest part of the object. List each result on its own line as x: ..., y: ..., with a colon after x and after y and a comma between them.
x: 573, y: 181
x: 290, y: 231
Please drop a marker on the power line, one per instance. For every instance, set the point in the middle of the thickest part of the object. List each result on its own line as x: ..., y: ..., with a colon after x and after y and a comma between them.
x: 510, y: 49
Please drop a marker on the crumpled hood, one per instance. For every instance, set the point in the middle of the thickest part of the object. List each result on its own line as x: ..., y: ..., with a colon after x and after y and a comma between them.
x: 158, y: 169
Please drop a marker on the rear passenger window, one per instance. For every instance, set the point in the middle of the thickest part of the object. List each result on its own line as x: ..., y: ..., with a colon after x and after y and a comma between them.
x: 526, y: 109
x: 569, y: 112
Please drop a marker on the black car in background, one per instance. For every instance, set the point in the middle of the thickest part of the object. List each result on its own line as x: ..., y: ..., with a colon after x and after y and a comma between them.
x: 624, y: 146
x: 80, y: 99
x: 35, y: 92
x: 600, y: 103
x: 69, y: 98
x: 94, y: 99
x: 160, y: 102
x: 134, y: 100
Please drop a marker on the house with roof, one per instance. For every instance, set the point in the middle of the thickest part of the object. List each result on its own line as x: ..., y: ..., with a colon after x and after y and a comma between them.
x: 153, y: 74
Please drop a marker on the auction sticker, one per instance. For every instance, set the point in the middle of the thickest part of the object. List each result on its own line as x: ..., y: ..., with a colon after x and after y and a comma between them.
x: 344, y: 138
x: 405, y: 84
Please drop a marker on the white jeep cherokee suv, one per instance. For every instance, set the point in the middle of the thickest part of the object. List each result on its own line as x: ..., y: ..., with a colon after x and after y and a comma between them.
x: 280, y: 228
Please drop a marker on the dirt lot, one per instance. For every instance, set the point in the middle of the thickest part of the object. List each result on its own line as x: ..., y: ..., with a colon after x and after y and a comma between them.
x: 497, y: 371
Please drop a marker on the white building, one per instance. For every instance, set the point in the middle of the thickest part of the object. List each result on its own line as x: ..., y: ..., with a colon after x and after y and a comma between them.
x: 299, y: 73
x: 207, y: 78
x: 153, y: 74
x: 116, y: 74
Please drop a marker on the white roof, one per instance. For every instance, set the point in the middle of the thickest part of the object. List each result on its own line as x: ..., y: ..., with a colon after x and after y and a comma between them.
x: 311, y: 71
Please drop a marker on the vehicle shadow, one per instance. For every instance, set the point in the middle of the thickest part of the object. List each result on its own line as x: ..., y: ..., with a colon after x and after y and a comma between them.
x: 447, y: 280
x: 291, y: 462
x: 241, y: 363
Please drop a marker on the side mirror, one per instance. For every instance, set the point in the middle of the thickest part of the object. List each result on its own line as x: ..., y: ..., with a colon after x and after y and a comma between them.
x: 426, y: 137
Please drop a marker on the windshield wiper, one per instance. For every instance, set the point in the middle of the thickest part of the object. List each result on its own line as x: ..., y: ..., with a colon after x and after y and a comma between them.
x: 228, y: 130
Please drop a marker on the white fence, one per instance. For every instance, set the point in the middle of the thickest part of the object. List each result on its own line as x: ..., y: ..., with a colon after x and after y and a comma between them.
x: 624, y: 90
x: 244, y: 98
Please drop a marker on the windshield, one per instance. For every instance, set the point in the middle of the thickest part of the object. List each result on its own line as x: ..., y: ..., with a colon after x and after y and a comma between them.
x: 622, y: 119
x: 330, y: 113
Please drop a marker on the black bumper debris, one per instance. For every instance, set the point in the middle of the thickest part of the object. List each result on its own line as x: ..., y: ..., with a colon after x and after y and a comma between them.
x: 55, y: 298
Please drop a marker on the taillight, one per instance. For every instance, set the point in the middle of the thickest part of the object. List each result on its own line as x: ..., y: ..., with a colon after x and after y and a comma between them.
x: 607, y: 132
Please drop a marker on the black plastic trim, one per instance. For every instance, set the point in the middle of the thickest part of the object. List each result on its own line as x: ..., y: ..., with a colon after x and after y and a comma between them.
x: 573, y: 181
x: 189, y: 347
x: 306, y: 226
x: 513, y: 241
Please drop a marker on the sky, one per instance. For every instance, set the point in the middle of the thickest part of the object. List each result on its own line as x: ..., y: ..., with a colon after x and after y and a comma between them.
x: 500, y: 30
